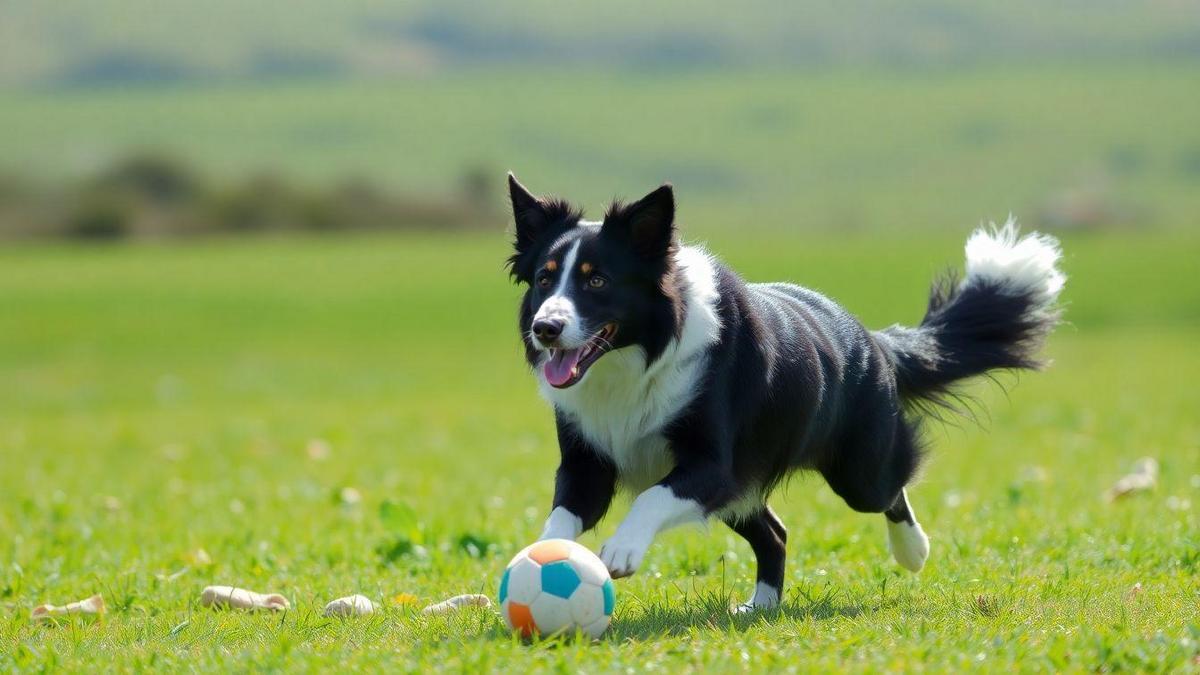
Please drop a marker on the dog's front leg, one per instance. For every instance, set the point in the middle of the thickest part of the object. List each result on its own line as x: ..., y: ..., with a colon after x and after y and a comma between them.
x: 583, y: 486
x: 687, y: 495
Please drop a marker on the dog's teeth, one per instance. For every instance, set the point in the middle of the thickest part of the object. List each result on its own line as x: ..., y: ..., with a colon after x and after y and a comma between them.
x: 575, y: 371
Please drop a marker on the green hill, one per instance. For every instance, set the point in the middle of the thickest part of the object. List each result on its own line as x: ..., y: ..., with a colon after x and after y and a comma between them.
x: 1058, y: 147
x: 74, y: 42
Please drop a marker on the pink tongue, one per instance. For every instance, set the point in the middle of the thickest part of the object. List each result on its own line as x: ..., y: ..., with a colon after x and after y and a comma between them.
x: 558, y: 368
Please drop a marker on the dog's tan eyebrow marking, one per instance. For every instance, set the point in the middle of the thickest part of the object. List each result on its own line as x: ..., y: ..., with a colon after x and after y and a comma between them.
x: 586, y: 268
x: 551, y: 265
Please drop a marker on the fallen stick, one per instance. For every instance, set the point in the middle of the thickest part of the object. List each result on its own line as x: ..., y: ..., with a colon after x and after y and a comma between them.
x: 93, y: 605
x: 228, y: 597
x: 456, y: 603
x: 351, y: 605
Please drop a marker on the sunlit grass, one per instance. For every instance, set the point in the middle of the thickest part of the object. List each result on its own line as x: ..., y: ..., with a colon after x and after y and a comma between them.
x: 160, y: 401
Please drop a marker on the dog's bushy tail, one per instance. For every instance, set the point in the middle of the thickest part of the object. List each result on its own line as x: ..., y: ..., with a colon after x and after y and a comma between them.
x: 996, y: 317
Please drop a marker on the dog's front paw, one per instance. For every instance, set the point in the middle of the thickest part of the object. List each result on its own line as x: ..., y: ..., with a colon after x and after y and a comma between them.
x: 622, y: 555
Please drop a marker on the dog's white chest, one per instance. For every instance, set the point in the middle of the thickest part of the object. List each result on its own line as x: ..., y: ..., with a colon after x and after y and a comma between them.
x: 641, y: 463
x: 646, y: 463
x: 622, y: 411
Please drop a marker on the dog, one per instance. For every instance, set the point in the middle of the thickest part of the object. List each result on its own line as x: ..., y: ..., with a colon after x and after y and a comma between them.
x: 698, y: 392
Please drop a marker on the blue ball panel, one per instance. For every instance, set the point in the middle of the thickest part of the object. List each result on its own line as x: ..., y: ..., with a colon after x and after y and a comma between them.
x: 610, y: 597
x: 560, y: 579
x: 504, y: 586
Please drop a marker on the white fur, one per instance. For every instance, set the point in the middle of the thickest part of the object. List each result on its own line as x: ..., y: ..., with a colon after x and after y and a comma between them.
x: 561, y: 306
x: 621, y: 406
x: 653, y: 511
x: 562, y: 524
x: 765, y: 596
x: 909, y: 545
x: 1024, y: 264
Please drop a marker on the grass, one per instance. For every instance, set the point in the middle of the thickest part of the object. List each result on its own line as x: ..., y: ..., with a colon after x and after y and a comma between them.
x: 158, y: 401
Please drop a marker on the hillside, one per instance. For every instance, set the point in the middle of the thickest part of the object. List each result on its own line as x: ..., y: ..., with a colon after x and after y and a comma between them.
x: 74, y: 42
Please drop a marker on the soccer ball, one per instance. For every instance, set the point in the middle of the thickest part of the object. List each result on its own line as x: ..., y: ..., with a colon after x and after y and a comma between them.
x: 556, y: 586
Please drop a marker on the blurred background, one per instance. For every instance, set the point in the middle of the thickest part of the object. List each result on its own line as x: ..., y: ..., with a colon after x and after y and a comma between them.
x: 253, y: 302
x: 139, y: 119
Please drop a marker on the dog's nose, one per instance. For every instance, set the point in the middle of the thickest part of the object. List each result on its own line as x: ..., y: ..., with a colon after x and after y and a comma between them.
x: 547, y: 330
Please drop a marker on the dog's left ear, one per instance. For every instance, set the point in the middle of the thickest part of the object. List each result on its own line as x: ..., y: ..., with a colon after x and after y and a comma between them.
x: 648, y: 223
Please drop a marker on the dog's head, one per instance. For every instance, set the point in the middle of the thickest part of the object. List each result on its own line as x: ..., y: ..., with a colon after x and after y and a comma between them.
x: 594, y: 287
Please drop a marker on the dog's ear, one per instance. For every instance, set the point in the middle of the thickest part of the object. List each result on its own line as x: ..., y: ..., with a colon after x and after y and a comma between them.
x: 529, y: 213
x: 535, y: 218
x: 648, y: 223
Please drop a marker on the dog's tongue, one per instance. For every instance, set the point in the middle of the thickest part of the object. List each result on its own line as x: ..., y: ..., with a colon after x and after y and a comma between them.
x: 558, y: 368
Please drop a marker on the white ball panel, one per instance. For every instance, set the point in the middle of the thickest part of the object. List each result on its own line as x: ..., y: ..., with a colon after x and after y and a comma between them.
x: 589, y: 566
x: 597, y: 628
x: 587, y: 604
x: 504, y: 613
x: 551, y: 614
x: 525, y: 581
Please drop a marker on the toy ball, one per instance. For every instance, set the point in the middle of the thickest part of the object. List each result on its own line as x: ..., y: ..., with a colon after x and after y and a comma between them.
x: 556, y: 586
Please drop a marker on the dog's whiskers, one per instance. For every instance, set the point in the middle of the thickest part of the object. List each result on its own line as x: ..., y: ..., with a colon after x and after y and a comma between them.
x: 602, y: 342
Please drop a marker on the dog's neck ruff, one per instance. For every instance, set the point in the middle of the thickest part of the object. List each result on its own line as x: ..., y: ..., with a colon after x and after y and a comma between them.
x: 623, y: 401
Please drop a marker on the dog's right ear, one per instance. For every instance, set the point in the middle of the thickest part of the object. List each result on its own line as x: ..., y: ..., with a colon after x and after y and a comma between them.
x: 529, y: 214
x: 536, y: 218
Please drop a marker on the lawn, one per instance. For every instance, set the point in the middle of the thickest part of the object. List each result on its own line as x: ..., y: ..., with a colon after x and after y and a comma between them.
x: 159, y: 401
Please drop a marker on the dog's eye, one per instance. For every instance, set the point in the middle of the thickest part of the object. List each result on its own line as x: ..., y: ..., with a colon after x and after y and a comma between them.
x: 543, y: 281
x: 597, y: 281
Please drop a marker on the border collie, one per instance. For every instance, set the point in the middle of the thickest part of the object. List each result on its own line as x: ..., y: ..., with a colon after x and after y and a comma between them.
x: 675, y: 379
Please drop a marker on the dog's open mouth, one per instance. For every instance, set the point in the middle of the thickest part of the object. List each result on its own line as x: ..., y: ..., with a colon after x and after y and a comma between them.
x: 567, y: 366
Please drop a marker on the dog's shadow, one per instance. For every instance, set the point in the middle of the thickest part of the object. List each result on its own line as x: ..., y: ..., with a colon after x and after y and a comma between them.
x: 666, y: 619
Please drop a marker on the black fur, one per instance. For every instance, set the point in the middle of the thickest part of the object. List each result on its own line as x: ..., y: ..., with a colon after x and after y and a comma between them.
x: 968, y: 330
x: 768, y: 539
x: 586, y: 479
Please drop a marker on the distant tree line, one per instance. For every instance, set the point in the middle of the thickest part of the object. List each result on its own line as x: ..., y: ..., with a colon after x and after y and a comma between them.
x: 150, y: 195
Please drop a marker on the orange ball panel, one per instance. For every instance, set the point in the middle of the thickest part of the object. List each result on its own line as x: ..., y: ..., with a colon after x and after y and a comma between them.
x: 546, y: 552
x: 521, y: 619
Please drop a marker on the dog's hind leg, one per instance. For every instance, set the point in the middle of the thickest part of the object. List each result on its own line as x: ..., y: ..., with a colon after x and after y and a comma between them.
x: 870, y: 470
x: 906, y: 539
x: 768, y: 539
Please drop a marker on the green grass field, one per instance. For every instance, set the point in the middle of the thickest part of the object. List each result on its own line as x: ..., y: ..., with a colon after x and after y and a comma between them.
x: 156, y: 401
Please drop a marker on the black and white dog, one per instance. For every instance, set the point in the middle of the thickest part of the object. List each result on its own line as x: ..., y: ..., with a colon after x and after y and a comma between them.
x: 675, y: 379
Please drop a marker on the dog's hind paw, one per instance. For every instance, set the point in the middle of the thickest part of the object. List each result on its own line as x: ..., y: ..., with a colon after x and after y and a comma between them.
x: 909, y: 545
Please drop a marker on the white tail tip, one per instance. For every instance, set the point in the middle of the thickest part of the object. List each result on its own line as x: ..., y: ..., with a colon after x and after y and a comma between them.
x: 1025, y: 264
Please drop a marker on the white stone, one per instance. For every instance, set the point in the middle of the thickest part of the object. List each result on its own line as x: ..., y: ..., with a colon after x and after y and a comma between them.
x: 351, y: 605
